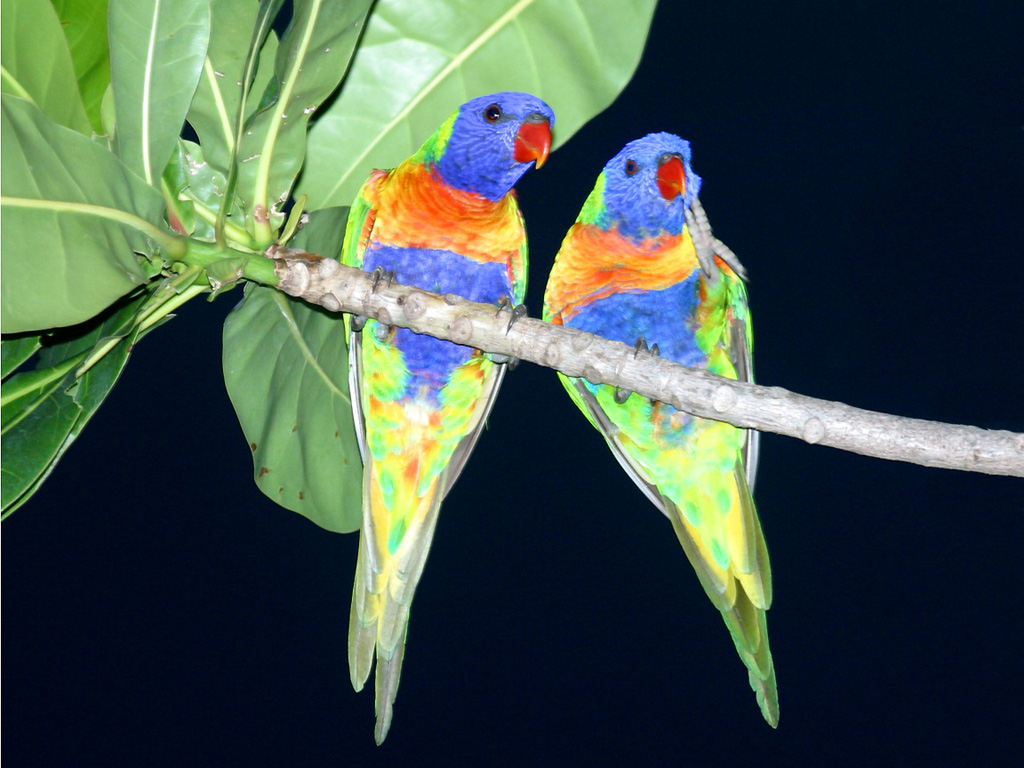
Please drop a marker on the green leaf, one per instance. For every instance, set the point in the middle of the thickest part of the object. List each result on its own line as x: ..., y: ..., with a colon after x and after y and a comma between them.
x: 15, y: 351
x: 286, y: 371
x: 311, y: 60
x: 73, y: 219
x: 198, y: 191
x: 215, y: 107
x: 85, y: 27
x: 45, y: 409
x: 37, y: 64
x: 420, y: 59
x: 157, y: 48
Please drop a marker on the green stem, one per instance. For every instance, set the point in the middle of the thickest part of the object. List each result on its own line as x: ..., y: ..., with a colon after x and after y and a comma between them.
x: 250, y: 266
x: 234, y: 232
x: 170, y: 305
x: 175, y: 247
x: 33, y: 380
x: 198, y: 256
x: 261, y: 191
x: 264, y: 23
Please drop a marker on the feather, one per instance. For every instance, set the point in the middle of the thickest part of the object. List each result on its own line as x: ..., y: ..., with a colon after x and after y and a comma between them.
x: 641, y: 262
x: 444, y: 220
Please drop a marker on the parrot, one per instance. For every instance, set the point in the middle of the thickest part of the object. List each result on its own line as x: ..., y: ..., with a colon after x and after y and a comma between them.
x: 444, y: 220
x: 640, y: 266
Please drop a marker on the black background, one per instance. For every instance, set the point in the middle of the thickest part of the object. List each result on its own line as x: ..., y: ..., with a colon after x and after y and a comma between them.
x: 866, y: 161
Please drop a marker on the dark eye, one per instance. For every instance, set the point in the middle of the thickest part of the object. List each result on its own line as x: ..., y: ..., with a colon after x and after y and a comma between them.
x: 492, y: 113
x: 631, y: 167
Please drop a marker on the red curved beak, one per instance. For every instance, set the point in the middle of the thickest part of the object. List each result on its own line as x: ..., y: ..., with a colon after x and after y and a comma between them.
x: 671, y: 178
x: 533, y: 142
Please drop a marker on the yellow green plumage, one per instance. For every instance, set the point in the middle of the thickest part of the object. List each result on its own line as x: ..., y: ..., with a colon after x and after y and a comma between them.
x: 444, y: 220
x: 630, y: 269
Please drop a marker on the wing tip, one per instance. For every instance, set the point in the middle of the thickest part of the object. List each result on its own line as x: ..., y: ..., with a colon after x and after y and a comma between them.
x: 767, y: 694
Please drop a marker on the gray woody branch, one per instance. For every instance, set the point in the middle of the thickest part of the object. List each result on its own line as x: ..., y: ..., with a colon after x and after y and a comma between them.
x: 771, y: 409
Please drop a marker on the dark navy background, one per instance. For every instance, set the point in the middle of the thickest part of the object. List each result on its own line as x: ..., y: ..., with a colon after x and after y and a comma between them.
x: 866, y: 162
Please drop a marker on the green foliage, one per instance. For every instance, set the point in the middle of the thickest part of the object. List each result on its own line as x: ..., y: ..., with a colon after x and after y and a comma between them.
x: 148, y: 42
x: 74, y: 218
x: 418, y: 60
x: 29, y: 27
x: 112, y: 218
x: 85, y: 26
x: 300, y: 435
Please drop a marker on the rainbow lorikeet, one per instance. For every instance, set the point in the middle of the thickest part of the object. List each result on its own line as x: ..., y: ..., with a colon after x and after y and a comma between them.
x: 640, y: 265
x: 445, y: 220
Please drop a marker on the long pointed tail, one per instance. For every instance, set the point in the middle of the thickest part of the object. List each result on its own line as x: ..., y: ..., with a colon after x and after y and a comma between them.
x: 749, y: 630
x: 744, y: 617
x: 382, y: 595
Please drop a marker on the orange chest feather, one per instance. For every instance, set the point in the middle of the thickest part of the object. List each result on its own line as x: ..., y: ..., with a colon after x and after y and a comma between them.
x: 594, y: 263
x: 415, y: 210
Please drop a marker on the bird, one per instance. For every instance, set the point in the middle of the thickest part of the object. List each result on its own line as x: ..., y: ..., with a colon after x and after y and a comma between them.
x: 445, y: 220
x: 640, y: 266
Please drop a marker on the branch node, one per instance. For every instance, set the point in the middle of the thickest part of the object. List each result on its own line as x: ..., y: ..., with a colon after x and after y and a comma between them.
x: 581, y: 341
x: 295, y: 277
x: 451, y: 299
x: 724, y: 398
x: 414, y: 305
x: 813, y: 430
x: 552, y: 355
x: 326, y: 268
x: 462, y: 329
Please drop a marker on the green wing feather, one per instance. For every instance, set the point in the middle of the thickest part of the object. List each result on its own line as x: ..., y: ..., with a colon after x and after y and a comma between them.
x: 727, y: 551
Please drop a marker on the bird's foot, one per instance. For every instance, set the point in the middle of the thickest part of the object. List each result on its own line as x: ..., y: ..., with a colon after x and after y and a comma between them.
x: 622, y: 395
x: 708, y: 246
x: 379, y: 275
x: 516, y: 312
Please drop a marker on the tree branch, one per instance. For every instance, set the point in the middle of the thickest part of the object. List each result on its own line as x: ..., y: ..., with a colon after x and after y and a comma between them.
x: 771, y: 409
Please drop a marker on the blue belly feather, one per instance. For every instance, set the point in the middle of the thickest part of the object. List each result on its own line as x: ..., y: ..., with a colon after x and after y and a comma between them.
x: 429, y: 360
x: 661, y: 317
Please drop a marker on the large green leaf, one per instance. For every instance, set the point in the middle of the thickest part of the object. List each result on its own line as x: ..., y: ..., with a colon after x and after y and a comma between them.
x: 85, y: 26
x: 214, y: 109
x: 37, y: 63
x: 73, y: 220
x: 286, y: 371
x: 420, y: 59
x: 157, y: 48
x: 45, y: 409
x: 311, y: 60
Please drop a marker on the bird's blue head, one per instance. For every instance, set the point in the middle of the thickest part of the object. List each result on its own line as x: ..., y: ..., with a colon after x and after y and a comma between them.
x: 645, y: 188
x: 491, y: 141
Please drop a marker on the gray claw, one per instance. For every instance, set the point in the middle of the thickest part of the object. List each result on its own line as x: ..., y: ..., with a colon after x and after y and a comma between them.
x: 517, y: 312
x: 641, y: 346
x: 380, y: 274
x: 622, y: 395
